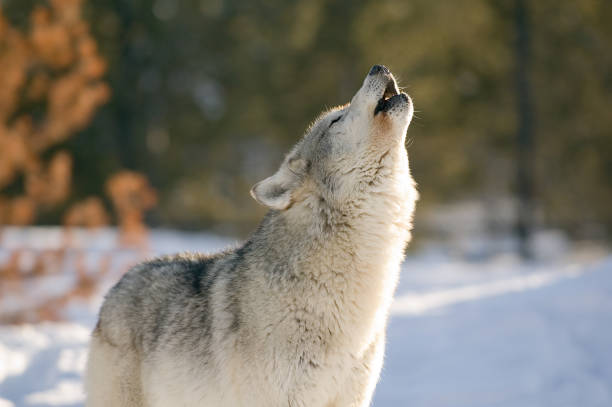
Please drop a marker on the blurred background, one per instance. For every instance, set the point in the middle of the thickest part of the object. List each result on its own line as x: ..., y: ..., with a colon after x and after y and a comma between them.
x: 130, y: 128
x: 204, y: 98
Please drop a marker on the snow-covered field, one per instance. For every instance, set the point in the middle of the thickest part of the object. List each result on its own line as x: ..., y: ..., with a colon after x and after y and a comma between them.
x: 495, y: 332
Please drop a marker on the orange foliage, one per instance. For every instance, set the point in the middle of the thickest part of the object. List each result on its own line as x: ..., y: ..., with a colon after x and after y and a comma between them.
x: 57, y: 66
x: 89, y: 213
x: 132, y: 196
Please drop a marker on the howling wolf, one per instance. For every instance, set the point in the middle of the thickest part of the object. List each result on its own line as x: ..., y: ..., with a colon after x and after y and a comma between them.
x: 294, y: 317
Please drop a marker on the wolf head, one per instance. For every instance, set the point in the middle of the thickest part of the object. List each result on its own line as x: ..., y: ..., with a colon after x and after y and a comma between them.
x: 348, y: 153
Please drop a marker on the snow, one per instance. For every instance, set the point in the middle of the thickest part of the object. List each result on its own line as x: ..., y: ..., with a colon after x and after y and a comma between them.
x: 492, y: 332
x: 544, y: 341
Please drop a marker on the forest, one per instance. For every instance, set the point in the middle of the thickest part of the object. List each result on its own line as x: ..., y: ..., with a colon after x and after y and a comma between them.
x: 203, y: 97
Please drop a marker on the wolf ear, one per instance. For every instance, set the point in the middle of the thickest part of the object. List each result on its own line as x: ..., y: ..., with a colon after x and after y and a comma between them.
x: 275, y: 192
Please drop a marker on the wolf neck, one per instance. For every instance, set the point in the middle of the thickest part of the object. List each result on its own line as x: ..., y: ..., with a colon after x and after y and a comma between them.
x: 351, y: 264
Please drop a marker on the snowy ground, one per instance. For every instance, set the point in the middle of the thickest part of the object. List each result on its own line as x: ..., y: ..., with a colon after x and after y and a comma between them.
x: 486, y: 333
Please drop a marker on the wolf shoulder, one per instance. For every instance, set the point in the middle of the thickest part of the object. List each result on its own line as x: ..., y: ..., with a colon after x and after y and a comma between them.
x: 153, y: 293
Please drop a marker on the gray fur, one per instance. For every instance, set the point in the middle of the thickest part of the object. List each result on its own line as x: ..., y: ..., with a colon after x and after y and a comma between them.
x: 296, y: 315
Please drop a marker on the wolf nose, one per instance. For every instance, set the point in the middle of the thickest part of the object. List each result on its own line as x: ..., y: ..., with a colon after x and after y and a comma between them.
x: 379, y: 68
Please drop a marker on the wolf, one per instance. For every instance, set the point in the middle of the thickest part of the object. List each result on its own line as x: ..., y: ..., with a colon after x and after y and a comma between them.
x: 295, y: 316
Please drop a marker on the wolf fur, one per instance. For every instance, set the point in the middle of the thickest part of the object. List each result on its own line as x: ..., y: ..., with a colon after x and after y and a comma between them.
x: 295, y: 316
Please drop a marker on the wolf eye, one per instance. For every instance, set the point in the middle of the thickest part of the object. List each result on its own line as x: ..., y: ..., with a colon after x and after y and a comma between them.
x: 334, y: 121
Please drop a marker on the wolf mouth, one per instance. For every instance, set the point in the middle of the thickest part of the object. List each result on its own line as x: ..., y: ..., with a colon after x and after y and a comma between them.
x: 390, y: 97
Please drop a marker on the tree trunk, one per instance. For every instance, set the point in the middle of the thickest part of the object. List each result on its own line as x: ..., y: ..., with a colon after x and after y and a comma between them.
x: 524, y: 159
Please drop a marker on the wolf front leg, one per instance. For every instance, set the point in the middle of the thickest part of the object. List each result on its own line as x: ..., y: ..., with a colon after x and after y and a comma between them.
x: 112, y: 377
x: 359, y: 386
